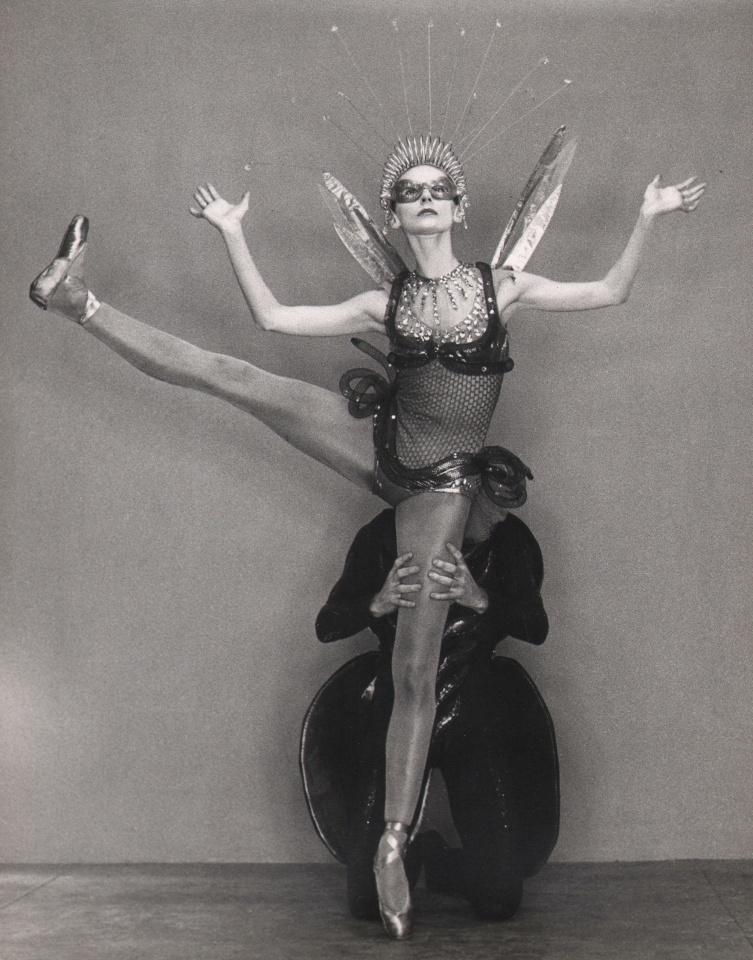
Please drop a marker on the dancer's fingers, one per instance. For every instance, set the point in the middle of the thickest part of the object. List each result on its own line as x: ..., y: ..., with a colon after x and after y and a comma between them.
x: 195, y: 212
x: 406, y: 571
x: 212, y: 192
x: 445, y: 565
x: 408, y: 587
x: 201, y: 198
x: 405, y: 603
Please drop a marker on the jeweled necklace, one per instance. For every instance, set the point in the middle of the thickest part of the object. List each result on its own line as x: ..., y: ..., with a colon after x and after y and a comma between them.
x: 466, y: 330
x: 456, y: 284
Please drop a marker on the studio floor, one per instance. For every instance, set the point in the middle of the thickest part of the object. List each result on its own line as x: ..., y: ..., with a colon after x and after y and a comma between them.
x: 685, y: 910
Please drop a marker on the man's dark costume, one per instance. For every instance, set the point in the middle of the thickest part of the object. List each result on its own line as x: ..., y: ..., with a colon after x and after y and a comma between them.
x: 493, y: 738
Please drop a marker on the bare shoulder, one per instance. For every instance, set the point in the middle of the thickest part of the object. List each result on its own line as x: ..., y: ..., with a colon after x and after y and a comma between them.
x: 374, y: 304
x: 506, y: 286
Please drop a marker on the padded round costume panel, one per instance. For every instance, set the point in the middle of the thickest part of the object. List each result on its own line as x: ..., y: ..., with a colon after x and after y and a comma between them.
x: 337, y: 731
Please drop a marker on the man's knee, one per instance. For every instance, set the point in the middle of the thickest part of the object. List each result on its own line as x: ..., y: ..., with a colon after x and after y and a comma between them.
x: 363, y: 902
x: 499, y: 900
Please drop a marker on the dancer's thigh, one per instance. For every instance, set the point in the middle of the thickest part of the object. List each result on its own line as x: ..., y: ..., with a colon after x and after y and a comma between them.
x: 310, y: 418
x: 426, y: 523
x: 314, y: 420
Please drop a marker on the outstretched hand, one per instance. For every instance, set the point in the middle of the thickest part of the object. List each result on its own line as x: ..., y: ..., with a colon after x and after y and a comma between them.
x: 457, y: 582
x: 211, y: 207
x: 393, y: 593
x: 683, y: 196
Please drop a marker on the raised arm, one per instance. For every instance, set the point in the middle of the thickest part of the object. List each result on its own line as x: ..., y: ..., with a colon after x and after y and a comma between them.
x: 362, y: 314
x: 530, y: 290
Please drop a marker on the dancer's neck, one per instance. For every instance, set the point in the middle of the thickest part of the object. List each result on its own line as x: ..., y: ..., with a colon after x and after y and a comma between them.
x: 433, y: 253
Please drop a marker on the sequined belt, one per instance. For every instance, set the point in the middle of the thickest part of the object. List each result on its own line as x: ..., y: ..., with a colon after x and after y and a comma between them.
x: 503, y: 475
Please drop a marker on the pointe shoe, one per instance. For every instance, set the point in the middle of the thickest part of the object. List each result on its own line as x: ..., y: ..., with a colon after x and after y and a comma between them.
x: 60, y: 287
x: 393, y: 890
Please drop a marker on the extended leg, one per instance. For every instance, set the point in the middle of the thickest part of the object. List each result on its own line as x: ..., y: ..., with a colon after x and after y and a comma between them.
x: 310, y: 418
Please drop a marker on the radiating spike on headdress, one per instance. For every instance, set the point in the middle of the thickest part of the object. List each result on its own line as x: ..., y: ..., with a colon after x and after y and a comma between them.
x: 543, y: 61
x: 335, y: 31
x: 472, y: 94
x: 402, y: 75
x: 348, y: 100
x: 428, y: 54
x: 355, y: 143
x: 565, y: 83
x: 452, y: 83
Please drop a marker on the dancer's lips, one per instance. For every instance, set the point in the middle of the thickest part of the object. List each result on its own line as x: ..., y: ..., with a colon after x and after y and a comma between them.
x: 428, y: 210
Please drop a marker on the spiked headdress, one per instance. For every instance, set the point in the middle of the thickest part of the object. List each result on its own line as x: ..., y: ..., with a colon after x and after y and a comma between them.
x: 416, y: 152
x: 532, y: 213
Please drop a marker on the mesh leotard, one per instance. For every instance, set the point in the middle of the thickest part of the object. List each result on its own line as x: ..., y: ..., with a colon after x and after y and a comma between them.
x: 431, y: 420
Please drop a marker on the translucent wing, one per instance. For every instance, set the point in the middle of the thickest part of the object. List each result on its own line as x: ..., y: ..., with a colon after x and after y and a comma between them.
x: 360, y: 234
x: 536, y: 205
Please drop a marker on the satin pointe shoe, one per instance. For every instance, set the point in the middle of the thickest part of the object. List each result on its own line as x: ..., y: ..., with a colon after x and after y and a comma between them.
x: 60, y: 287
x: 395, y: 904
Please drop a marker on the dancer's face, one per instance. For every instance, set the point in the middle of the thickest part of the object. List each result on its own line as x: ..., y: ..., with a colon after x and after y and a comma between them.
x: 434, y: 208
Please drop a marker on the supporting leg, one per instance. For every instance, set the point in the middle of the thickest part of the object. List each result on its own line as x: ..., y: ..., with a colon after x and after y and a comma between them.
x: 366, y: 804
x: 425, y: 524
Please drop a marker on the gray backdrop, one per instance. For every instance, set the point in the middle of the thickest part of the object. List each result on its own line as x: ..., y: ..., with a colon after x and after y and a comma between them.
x: 164, y: 556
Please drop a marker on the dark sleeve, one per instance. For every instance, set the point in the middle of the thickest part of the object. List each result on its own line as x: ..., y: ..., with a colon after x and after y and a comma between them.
x: 371, y: 554
x: 513, y: 584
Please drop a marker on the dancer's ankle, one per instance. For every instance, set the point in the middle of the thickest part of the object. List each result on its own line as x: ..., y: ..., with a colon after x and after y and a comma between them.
x: 396, y: 826
x: 74, y: 300
x: 92, y: 305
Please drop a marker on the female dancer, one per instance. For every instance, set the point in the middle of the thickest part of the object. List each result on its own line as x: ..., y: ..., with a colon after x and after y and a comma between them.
x: 449, y: 353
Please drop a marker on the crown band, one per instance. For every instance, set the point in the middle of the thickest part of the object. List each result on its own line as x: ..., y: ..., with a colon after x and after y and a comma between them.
x: 416, y: 152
